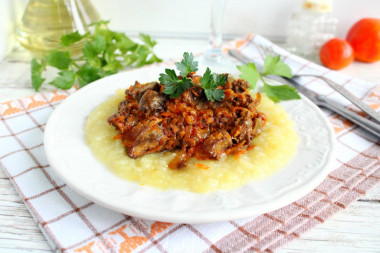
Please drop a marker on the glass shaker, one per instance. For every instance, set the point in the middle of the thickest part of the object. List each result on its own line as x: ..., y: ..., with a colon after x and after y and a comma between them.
x: 45, y: 21
x: 310, y: 28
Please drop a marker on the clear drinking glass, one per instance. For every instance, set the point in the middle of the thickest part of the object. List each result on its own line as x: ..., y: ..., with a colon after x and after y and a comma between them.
x: 214, y: 52
x: 213, y: 57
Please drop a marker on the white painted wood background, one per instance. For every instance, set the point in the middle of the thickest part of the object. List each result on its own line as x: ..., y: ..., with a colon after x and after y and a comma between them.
x: 181, y: 18
x: 356, y: 229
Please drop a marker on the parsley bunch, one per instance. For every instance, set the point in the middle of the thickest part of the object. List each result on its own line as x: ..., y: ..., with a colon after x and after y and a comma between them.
x: 105, y: 52
x: 175, y: 85
x: 272, y: 66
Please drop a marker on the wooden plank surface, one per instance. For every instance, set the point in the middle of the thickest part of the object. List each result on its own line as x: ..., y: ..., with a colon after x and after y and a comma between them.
x: 18, y: 230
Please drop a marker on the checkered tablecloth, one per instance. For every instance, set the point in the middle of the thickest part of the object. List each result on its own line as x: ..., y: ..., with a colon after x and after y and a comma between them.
x: 72, y: 223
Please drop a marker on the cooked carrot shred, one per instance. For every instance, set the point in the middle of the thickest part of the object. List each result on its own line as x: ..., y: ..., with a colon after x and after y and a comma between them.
x: 202, y: 166
x: 167, y: 114
x: 116, y: 137
x: 251, y: 147
x: 196, y: 79
x: 241, y: 152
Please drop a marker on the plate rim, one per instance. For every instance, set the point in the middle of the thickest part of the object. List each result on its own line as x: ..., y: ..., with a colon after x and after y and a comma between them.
x: 217, y: 216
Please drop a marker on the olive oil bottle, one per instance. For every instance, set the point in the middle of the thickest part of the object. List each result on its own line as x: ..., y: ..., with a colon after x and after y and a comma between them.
x: 45, y: 21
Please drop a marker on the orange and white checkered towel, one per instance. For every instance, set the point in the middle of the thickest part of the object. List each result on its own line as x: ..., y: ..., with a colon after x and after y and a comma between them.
x: 72, y: 223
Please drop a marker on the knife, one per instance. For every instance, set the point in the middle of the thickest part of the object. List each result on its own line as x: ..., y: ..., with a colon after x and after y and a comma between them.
x: 317, y: 99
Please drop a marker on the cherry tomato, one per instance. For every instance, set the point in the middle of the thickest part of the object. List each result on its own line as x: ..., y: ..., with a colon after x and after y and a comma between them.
x: 364, y: 37
x: 336, y: 54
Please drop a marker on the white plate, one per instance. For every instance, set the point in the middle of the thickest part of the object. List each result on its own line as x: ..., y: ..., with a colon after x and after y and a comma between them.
x: 73, y: 161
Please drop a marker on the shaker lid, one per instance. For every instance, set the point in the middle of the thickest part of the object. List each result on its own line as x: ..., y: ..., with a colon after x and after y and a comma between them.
x: 318, y: 5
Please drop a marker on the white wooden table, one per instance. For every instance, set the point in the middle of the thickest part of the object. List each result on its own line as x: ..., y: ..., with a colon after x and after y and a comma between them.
x: 356, y: 229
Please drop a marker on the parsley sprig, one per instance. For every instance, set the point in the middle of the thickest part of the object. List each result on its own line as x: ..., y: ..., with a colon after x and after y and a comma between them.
x: 272, y: 66
x: 210, y: 83
x: 105, y: 52
x: 175, y: 85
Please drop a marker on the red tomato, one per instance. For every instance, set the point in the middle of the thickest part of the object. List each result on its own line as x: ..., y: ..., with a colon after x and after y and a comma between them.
x: 364, y: 37
x: 336, y: 54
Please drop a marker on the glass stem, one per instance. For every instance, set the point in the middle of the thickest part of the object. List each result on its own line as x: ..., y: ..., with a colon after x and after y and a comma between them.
x: 214, y: 51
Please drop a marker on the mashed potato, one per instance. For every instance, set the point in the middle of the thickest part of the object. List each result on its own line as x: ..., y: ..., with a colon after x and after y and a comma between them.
x: 274, y: 148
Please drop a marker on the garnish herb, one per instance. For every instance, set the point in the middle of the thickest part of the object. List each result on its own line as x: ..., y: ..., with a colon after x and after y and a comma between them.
x: 105, y: 52
x: 187, y: 65
x: 210, y: 83
x: 272, y: 66
x: 175, y: 85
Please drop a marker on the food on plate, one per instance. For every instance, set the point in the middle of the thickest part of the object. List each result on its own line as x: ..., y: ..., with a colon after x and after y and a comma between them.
x: 149, y: 121
x: 364, y: 37
x: 191, y: 132
x: 273, y: 149
x: 336, y: 54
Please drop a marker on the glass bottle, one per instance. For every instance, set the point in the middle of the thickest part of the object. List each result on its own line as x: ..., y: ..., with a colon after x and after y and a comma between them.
x: 310, y: 28
x: 45, y: 21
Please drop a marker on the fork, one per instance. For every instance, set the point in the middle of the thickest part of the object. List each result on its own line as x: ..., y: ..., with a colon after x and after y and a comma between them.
x: 267, y: 49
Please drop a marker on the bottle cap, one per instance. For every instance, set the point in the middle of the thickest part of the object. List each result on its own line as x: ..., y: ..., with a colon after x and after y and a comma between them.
x: 318, y: 5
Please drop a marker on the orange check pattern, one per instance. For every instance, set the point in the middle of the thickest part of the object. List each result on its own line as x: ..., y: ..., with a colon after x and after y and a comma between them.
x: 72, y: 223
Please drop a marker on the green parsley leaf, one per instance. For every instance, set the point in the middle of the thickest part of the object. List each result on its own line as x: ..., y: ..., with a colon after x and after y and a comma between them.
x: 175, y: 86
x: 89, y: 51
x: 273, y: 66
x: 65, y: 80
x: 212, y: 80
x: 99, y: 43
x: 280, y: 92
x: 87, y: 74
x: 153, y: 59
x: 105, y: 52
x: 60, y: 60
x: 36, y: 73
x: 175, y: 90
x: 220, y: 79
x: 267, y: 90
x: 187, y: 65
x: 141, y: 54
x: 214, y: 94
x: 123, y: 43
x: 168, y: 78
x: 71, y: 38
x: 148, y: 41
x: 113, y: 65
x: 207, y: 79
x: 100, y: 23
x: 92, y: 49
x: 210, y: 83
x: 249, y: 73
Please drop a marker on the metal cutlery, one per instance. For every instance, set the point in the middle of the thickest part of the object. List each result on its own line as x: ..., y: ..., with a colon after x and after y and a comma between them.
x: 345, y: 93
x: 319, y: 100
x: 268, y: 49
